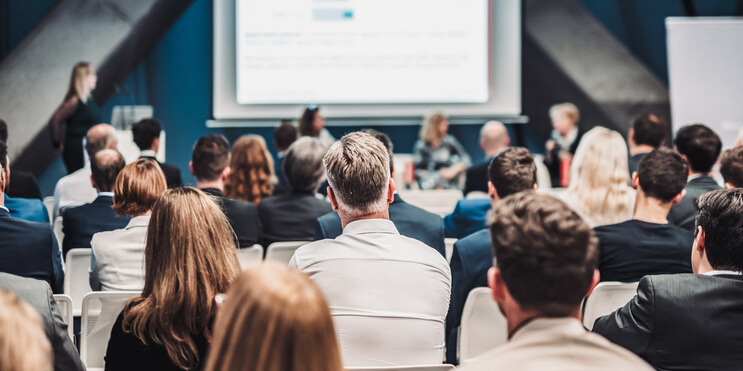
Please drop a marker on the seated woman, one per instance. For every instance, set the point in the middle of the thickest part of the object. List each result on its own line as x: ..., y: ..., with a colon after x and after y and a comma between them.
x: 274, y: 318
x: 563, y: 140
x: 312, y: 124
x: 116, y: 259
x: 439, y: 158
x: 190, y: 257
x: 251, y: 177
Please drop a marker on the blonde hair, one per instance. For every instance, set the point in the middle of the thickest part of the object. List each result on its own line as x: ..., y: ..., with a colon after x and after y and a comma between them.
x: 78, y: 87
x: 23, y: 342
x: 187, y: 264
x: 252, y: 170
x: 137, y: 187
x: 274, y: 319
x: 599, y: 176
x: 430, y: 127
x: 567, y: 109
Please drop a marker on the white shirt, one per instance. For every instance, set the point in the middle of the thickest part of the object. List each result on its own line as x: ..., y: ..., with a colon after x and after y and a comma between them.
x: 118, y: 256
x: 74, y: 190
x: 722, y: 272
x: 388, y: 294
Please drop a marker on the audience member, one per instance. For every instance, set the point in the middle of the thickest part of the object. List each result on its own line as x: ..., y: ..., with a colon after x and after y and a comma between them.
x: 409, y: 220
x: 274, y: 318
x: 21, y: 184
x: 648, y: 132
x: 117, y: 259
x: 39, y: 295
x: 493, y: 139
x: 209, y: 164
x: 439, y: 158
x: 599, y: 189
x: 312, y: 124
x: 25, y: 208
x: 563, y: 141
x: 283, y: 136
x: 146, y: 135
x: 293, y: 216
x: 545, y: 264
x: 700, y: 147
x: 731, y: 167
x: 691, y: 321
x: 75, y: 189
x: 23, y: 345
x: 468, y: 217
x: 403, y: 286
x: 82, y: 222
x: 648, y: 244
x: 513, y: 170
x: 168, y: 327
x: 251, y: 170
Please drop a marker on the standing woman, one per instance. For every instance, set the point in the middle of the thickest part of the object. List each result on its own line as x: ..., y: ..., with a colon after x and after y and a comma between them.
x: 439, y: 158
x: 312, y: 124
x: 75, y: 116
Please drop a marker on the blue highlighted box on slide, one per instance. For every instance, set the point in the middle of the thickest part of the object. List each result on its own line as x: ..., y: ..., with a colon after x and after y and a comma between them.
x: 332, y: 14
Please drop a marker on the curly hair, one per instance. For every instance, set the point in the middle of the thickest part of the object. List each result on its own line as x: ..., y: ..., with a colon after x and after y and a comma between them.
x: 251, y: 170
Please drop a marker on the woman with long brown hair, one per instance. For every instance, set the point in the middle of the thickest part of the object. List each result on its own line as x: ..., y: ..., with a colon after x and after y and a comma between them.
x: 251, y: 176
x: 274, y: 319
x: 190, y: 257
x: 312, y: 124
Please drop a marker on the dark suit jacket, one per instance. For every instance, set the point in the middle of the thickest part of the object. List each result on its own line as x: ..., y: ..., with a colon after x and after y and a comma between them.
x: 172, y: 173
x: 291, y: 216
x: 469, y: 216
x: 682, y: 214
x: 29, y: 249
x: 470, y: 261
x: 243, y: 217
x: 682, y: 322
x: 23, y: 185
x: 82, y: 222
x: 39, y: 295
x: 409, y: 220
x: 634, y: 162
x: 477, y: 177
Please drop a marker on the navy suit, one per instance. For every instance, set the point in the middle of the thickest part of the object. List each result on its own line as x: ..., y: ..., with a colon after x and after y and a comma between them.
x: 468, y: 217
x: 291, y: 216
x: 29, y: 249
x: 409, y: 220
x: 31, y: 209
x: 82, y: 222
x: 470, y: 261
x: 683, y: 213
x: 477, y: 177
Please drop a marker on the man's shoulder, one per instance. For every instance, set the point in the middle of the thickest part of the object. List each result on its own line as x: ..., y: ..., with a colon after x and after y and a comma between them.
x: 478, y: 239
x: 239, y: 205
x: 405, y: 208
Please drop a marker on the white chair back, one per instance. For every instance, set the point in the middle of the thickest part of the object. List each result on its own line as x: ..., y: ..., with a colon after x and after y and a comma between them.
x: 49, y: 205
x: 440, y: 201
x: 606, y: 298
x: 76, y: 279
x: 64, y: 303
x: 474, y: 195
x: 483, y: 325
x: 57, y: 227
x: 406, y: 368
x: 283, y: 251
x: 449, y: 248
x: 250, y: 255
x: 100, y: 310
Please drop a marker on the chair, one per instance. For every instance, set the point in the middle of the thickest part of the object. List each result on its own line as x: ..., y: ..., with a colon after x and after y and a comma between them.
x: 100, y: 310
x: 440, y: 201
x: 64, y: 303
x: 606, y: 298
x: 57, y: 226
x: 473, y: 195
x: 483, y: 325
x: 250, y: 255
x: 76, y: 280
x: 406, y: 368
x: 283, y: 251
x: 49, y: 205
x: 449, y: 248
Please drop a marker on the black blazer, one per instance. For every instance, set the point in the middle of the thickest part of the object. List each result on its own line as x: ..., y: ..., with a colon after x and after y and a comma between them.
x: 243, y: 217
x: 682, y: 214
x: 291, y: 216
x: 409, y: 220
x: 172, y: 173
x: 551, y: 159
x: 682, y: 322
x: 23, y: 185
x: 477, y: 177
x: 82, y: 222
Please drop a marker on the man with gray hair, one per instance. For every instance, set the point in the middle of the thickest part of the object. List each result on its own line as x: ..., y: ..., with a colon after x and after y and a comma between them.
x: 388, y: 293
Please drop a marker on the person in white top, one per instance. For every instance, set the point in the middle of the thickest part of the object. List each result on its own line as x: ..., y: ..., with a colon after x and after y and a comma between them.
x: 388, y: 294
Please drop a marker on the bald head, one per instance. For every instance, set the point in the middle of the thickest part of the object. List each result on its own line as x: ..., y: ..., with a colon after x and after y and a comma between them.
x: 99, y: 137
x: 493, y: 138
x: 105, y: 166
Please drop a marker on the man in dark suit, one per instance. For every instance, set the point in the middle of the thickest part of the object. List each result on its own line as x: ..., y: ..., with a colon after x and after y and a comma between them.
x: 283, y: 137
x: 493, y: 139
x: 691, y: 321
x: 21, y: 184
x: 209, y: 164
x: 511, y: 171
x: 731, y: 167
x: 648, y: 132
x: 82, y: 222
x: 146, y: 135
x: 38, y: 294
x: 409, y: 220
x: 700, y: 147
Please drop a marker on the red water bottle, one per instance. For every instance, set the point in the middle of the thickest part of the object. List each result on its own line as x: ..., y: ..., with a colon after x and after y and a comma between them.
x: 565, y: 162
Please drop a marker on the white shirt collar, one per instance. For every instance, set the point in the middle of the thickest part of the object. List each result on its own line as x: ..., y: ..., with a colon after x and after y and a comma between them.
x: 694, y: 176
x: 109, y: 194
x: 4, y: 208
x: 723, y: 272
x: 148, y: 153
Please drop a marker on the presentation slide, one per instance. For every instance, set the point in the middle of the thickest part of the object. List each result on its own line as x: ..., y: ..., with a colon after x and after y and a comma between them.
x: 362, y: 51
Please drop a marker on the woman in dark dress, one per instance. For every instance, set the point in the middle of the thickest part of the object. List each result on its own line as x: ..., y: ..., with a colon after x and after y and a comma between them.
x: 75, y: 116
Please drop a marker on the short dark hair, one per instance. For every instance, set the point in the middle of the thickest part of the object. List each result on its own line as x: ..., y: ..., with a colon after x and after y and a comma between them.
x: 718, y: 213
x: 144, y: 133
x: 105, y: 166
x: 211, y: 154
x: 731, y: 166
x: 512, y: 170
x: 387, y: 144
x: 284, y: 135
x: 700, y: 145
x: 3, y: 156
x: 545, y: 252
x: 662, y: 174
x: 3, y: 131
x: 650, y: 129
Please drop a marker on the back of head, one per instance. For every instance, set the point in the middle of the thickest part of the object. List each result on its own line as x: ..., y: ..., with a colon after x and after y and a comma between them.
x: 387, y: 142
x: 105, y: 167
x: 303, y: 166
x: 358, y: 172
x: 186, y: 264
x: 545, y: 252
x: 650, y: 129
x: 210, y: 156
x: 513, y: 170
x: 100, y: 137
x: 493, y: 136
x: 718, y: 213
x: 662, y: 174
x: 307, y: 122
x: 252, y: 170
x: 430, y: 127
x: 3, y: 131
x: 274, y: 319
x: 144, y: 133
x: 700, y: 145
x: 23, y: 343
x: 137, y: 187
x: 284, y: 135
x: 731, y: 166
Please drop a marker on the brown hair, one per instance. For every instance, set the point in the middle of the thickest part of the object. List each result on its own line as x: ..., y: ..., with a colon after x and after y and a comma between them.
x: 23, y: 343
x: 78, y: 87
x: 274, y: 319
x: 512, y: 171
x: 430, y: 127
x: 187, y: 263
x: 731, y: 166
x: 307, y: 122
x: 211, y: 154
x: 138, y: 186
x: 252, y: 170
